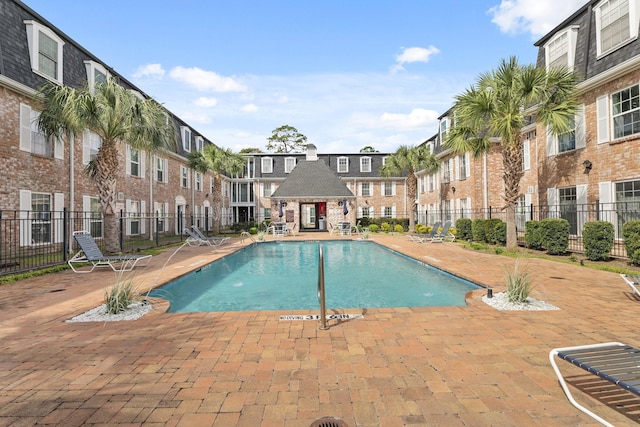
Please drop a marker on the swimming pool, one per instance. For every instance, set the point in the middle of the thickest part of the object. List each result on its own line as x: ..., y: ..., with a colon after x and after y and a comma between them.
x: 284, y: 276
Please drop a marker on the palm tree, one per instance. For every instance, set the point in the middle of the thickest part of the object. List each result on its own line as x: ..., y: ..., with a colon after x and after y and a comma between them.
x: 410, y: 160
x: 497, y: 105
x: 220, y: 162
x: 117, y: 116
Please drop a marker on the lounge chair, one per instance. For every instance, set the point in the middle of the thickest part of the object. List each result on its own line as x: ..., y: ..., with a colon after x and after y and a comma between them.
x: 421, y: 238
x: 211, y: 241
x: 91, y: 253
x: 633, y: 282
x: 356, y: 228
x: 444, y: 235
x: 193, y: 239
x: 612, y: 361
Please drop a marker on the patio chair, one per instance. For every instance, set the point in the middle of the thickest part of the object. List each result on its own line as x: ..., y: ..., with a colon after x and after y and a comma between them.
x: 421, y: 238
x: 279, y: 229
x: 193, y: 239
x: 90, y: 253
x: 633, y: 282
x: 211, y: 241
x: 356, y: 228
x: 444, y: 235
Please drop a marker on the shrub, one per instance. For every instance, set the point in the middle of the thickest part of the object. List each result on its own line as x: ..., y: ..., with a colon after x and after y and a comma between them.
x: 533, y: 235
x: 631, y: 235
x: 490, y: 230
x: 421, y: 229
x: 373, y: 228
x: 518, y: 285
x: 120, y: 296
x: 385, y: 227
x: 477, y: 230
x: 253, y: 230
x: 555, y: 235
x: 500, y: 233
x: 598, y: 240
x: 398, y: 228
x: 463, y: 225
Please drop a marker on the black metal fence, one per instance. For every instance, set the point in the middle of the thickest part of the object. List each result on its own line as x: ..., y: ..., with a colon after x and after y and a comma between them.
x: 37, y: 239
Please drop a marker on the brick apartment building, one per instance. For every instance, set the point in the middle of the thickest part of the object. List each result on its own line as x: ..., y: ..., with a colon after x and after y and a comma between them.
x: 590, y: 173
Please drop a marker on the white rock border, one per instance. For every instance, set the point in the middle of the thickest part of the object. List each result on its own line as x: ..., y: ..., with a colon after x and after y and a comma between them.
x: 99, y: 314
x: 500, y: 301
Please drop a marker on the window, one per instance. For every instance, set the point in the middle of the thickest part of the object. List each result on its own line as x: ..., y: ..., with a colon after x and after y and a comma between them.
x: 34, y: 141
x: 133, y: 160
x: 570, y: 140
x: 133, y: 211
x: 186, y: 138
x: 96, y: 73
x: 526, y: 155
x: 444, y: 127
x: 388, y: 188
x: 616, y: 24
x: 561, y: 49
x: 627, y: 202
x: 161, y: 169
x: 343, y: 165
x: 266, y: 189
x: 289, y: 164
x: 184, y: 177
x: 267, y: 165
x: 199, y: 143
x: 41, y: 227
x: 91, y: 143
x: 95, y: 217
x: 45, y: 51
x: 365, y: 189
x: 365, y: 164
x: 567, y: 140
x: 463, y: 170
x: 432, y: 182
x: 625, y: 107
x: 446, y: 171
x: 568, y: 205
x: 161, y: 214
x: 198, y: 182
x: 267, y: 213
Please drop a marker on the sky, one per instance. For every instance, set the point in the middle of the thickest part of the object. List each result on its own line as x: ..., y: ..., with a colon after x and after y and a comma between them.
x: 345, y: 73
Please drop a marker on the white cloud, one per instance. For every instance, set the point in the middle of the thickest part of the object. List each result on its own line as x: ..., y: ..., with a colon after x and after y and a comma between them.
x: 413, y: 54
x: 204, y: 80
x: 417, y: 118
x: 150, y: 70
x: 205, y: 102
x: 537, y: 17
x: 195, y: 117
x: 249, y: 108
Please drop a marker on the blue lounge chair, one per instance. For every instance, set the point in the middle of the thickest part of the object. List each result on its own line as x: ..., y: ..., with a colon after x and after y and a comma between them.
x: 91, y: 253
x: 444, y: 235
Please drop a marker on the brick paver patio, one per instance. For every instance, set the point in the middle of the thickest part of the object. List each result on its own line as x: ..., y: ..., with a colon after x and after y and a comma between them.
x: 432, y: 366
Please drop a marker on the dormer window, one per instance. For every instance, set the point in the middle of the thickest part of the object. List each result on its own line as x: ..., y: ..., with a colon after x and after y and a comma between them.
x: 199, y: 143
x: 96, y: 73
x: 365, y: 164
x: 289, y: 164
x: 343, y: 164
x: 186, y: 138
x: 45, y: 51
x: 561, y: 49
x: 616, y: 24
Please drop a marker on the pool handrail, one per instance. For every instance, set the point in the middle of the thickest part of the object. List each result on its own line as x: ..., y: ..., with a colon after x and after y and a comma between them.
x: 321, y: 294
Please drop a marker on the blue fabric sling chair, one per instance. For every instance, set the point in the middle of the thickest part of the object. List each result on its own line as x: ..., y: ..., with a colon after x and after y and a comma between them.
x: 90, y: 253
x: 615, y: 362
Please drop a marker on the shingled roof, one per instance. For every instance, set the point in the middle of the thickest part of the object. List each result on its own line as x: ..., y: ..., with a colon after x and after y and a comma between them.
x: 312, y: 179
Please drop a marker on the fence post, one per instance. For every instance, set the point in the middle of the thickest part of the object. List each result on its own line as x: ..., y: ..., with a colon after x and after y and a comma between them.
x: 65, y: 233
x: 490, y: 212
x: 531, y: 213
x: 158, y: 230
x: 121, y: 230
x: 598, y: 210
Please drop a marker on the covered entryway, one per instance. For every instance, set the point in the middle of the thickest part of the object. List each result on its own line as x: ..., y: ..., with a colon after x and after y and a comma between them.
x: 313, y: 216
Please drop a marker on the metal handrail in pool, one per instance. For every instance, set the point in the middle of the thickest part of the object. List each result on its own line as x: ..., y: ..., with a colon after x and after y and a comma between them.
x: 321, y: 295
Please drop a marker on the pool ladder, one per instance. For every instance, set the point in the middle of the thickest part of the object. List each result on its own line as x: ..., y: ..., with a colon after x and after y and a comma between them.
x: 321, y: 295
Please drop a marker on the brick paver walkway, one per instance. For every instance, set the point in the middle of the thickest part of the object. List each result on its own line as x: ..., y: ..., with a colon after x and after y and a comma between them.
x: 433, y: 366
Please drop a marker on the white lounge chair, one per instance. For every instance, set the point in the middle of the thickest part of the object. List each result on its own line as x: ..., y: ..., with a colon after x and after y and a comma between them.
x: 444, y: 235
x: 91, y: 253
x: 633, y: 282
x: 211, y: 241
x: 426, y: 237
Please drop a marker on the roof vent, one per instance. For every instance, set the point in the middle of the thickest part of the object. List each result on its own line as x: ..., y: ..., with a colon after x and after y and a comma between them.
x: 312, y: 153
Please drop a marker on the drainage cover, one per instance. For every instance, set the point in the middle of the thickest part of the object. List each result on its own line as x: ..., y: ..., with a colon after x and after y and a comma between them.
x: 329, y: 422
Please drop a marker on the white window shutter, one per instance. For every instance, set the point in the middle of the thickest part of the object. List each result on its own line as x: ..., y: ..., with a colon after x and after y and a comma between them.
x: 467, y: 159
x: 86, y: 209
x: 86, y: 150
x: 143, y: 220
x: 393, y: 188
x: 128, y: 212
x: 25, y: 128
x: 456, y: 167
x: 360, y: 189
x: 261, y: 189
x: 602, y: 113
x: 393, y: 211
x: 581, y: 139
x: 142, y: 158
x: 360, y: 212
x: 551, y: 199
x: 58, y: 147
x: 381, y: 211
x: 551, y: 142
x: 581, y: 202
x: 127, y: 161
x: 25, y: 225
x: 526, y: 154
x: 604, y: 195
x: 58, y: 207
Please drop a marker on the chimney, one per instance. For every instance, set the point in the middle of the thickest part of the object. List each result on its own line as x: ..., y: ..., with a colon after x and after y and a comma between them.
x: 312, y: 153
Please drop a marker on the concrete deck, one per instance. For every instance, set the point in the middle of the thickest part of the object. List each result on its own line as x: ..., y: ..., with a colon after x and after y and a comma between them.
x: 435, y: 366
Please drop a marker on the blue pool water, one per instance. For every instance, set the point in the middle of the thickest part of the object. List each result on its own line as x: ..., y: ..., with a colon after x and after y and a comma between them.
x: 284, y: 276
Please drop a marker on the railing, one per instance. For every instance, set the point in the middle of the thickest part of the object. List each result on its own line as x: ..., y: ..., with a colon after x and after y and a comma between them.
x: 321, y: 295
